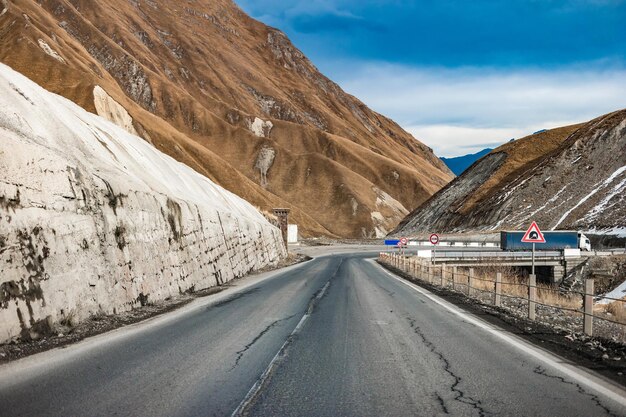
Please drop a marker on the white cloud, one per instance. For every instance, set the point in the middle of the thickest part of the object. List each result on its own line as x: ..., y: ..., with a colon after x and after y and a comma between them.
x: 449, y: 141
x: 462, y: 110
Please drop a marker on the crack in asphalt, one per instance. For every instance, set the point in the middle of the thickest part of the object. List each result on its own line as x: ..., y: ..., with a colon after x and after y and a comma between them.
x: 459, y: 395
x: 321, y: 293
x: 257, y: 338
x: 234, y: 297
x: 541, y: 371
x: 442, y: 403
x: 281, y: 355
x: 391, y: 293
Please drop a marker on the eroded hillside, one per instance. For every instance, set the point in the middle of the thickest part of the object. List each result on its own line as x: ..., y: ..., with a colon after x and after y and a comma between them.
x: 233, y: 99
x: 567, y: 178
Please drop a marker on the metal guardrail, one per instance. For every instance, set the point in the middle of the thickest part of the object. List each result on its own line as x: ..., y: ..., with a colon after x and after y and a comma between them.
x: 499, y: 255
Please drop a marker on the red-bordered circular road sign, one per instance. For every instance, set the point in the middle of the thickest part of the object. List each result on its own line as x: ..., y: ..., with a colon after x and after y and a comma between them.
x: 404, y: 241
x: 434, y: 239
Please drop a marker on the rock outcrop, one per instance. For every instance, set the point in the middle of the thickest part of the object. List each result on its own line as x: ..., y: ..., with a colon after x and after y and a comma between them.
x: 95, y: 220
x: 568, y: 178
x: 214, y: 89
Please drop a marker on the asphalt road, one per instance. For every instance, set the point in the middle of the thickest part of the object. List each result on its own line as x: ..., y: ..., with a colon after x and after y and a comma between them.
x: 336, y: 336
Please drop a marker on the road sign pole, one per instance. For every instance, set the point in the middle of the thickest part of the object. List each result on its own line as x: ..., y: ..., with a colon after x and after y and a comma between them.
x: 533, y: 263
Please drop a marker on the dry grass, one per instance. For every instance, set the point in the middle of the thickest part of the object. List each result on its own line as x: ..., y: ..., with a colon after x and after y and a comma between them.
x: 613, y: 311
x: 560, y: 305
x: 522, y: 153
x: 332, y: 151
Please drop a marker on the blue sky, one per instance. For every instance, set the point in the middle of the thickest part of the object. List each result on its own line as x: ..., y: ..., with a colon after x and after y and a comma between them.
x: 462, y: 75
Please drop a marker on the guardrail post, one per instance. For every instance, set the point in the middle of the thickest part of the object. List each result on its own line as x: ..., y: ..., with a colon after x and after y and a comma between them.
x: 428, y: 272
x: 498, y: 290
x: 421, y: 266
x: 443, y: 275
x: 532, y: 295
x: 470, y: 281
x: 588, y: 307
x: 415, y: 267
x: 454, y: 278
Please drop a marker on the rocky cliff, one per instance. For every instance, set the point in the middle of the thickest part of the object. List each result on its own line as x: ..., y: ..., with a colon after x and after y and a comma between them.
x: 233, y: 99
x: 568, y: 178
x: 95, y: 220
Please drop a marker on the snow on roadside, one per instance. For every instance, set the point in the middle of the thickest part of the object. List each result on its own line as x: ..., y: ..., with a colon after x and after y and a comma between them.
x: 94, y: 220
x: 618, y: 293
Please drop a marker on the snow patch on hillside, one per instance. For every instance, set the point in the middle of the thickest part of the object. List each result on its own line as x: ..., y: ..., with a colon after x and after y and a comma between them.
x: 94, y: 220
x: 608, y: 201
x: 595, y: 189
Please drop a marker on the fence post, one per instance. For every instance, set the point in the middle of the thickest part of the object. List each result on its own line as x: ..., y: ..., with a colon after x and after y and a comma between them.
x: 421, y: 267
x: 588, y: 307
x: 415, y: 267
x: 470, y: 281
x: 443, y: 275
x: 453, y: 278
x: 498, y: 292
x: 532, y: 295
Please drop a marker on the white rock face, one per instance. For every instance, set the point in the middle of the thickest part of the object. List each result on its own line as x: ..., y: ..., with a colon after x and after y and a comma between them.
x: 48, y: 50
x: 260, y: 127
x: 95, y: 220
x: 264, y: 162
x: 112, y: 110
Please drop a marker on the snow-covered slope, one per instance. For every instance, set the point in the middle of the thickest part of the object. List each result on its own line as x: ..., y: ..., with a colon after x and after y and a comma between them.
x: 96, y: 220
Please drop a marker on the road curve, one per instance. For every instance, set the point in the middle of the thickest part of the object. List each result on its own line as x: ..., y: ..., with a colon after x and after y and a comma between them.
x: 337, y: 335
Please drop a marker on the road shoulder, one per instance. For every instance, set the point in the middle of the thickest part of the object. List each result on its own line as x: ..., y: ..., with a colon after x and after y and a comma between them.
x: 99, y: 327
x: 581, y: 352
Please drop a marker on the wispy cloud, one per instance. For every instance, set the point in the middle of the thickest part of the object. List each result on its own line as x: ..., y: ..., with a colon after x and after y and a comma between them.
x: 462, y: 74
x: 458, y: 110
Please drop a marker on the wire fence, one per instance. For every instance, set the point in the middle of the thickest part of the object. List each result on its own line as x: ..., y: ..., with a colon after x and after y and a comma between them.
x: 499, y: 285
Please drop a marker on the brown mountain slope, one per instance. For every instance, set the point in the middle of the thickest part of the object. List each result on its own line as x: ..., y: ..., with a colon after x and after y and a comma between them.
x: 232, y: 98
x: 556, y: 177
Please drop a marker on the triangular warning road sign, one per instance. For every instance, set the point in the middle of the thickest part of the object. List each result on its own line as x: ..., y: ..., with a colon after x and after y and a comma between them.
x: 533, y: 235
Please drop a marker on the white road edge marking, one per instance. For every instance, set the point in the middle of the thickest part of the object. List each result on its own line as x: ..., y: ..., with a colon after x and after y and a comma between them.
x: 593, y: 382
x: 273, y: 363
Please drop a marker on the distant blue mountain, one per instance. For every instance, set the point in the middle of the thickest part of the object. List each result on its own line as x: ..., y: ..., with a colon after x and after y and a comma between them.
x: 459, y: 164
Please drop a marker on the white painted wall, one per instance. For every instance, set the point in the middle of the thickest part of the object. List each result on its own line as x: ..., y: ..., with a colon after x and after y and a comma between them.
x: 292, y: 233
x: 96, y: 220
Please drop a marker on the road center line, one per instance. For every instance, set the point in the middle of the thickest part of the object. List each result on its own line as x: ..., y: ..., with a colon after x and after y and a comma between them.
x: 258, y: 385
x: 605, y: 388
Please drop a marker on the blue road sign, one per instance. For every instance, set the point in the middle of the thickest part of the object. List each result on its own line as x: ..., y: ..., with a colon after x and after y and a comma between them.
x: 392, y: 242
